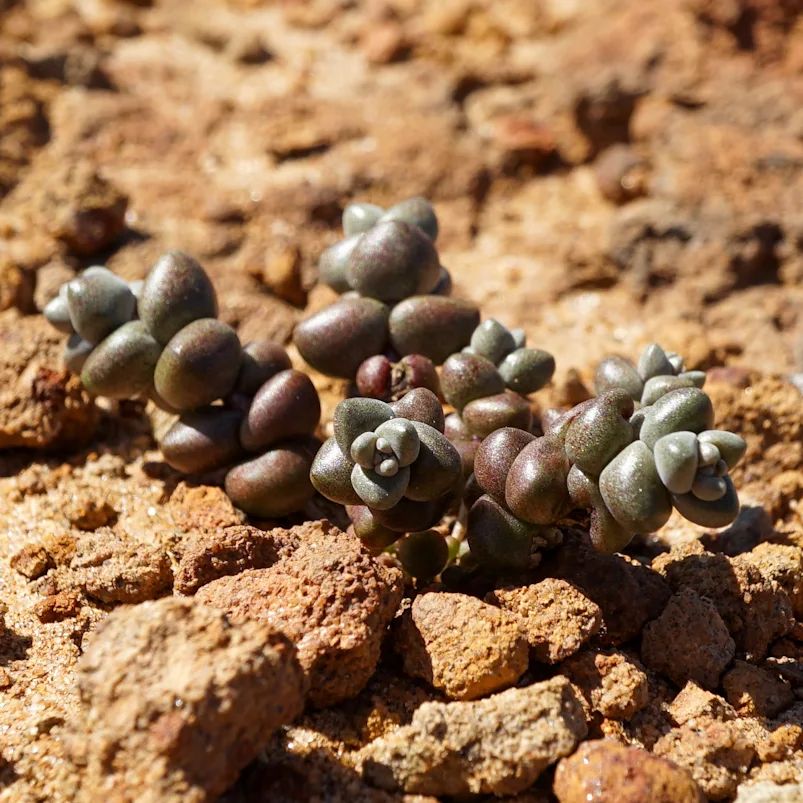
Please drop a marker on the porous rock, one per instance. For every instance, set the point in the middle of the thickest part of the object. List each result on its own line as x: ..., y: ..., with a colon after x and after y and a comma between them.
x: 695, y: 703
x: 177, y: 700
x: 628, y: 593
x: 614, y: 684
x: 461, y: 645
x: 206, y: 556
x: 755, y: 608
x: 606, y: 772
x: 688, y: 641
x: 330, y: 597
x: 556, y: 617
x: 495, y: 746
x: 755, y: 691
x: 769, y: 792
x: 113, y: 570
x: 41, y: 405
x: 716, y: 754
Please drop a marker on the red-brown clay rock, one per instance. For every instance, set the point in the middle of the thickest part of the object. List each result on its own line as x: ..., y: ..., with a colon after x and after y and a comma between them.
x: 782, y: 563
x: 716, y: 754
x: 495, y: 746
x: 756, y: 692
x: 688, y: 641
x: 614, y: 685
x: 754, y: 607
x: 556, y: 617
x: 330, y: 597
x: 31, y: 561
x: 177, y: 700
x: 627, y: 593
x: 41, y: 405
x: 206, y: 556
x: 114, y: 570
x: 694, y: 703
x: 603, y: 771
x: 56, y: 608
x: 460, y: 645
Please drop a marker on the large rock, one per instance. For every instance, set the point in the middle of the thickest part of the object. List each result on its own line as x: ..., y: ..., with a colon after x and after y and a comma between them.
x: 177, y: 700
x: 496, y: 746
x: 688, y: 641
x: 606, y: 772
x: 557, y: 618
x: 613, y: 683
x: 330, y: 596
x: 461, y: 645
x: 748, y: 592
x: 627, y: 593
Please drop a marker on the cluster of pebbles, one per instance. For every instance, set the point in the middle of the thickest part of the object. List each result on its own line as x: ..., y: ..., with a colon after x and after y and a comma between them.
x: 244, y: 409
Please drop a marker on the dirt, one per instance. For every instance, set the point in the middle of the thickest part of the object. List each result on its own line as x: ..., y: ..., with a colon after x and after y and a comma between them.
x: 605, y: 175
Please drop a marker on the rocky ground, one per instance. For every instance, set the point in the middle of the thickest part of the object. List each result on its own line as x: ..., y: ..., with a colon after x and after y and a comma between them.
x: 606, y: 174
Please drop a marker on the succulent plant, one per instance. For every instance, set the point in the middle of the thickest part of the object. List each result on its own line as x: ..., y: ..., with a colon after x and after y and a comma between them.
x: 488, y: 382
x: 396, y: 472
x: 405, y: 472
x: 628, y: 467
x: 380, y: 378
x: 159, y: 339
x: 656, y: 373
x: 394, y: 295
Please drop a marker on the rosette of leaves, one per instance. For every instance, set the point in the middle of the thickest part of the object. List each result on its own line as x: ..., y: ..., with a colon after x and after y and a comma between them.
x: 394, y: 293
x: 395, y: 471
x: 628, y: 468
x: 244, y: 409
x: 488, y: 382
x: 656, y: 373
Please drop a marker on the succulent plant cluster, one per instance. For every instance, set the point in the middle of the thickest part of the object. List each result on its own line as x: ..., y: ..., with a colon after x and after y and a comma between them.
x: 394, y: 301
x: 485, y: 488
x: 628, y: 463
x: 395, y: 471
x: 487, y: 383
x: 240, y: 408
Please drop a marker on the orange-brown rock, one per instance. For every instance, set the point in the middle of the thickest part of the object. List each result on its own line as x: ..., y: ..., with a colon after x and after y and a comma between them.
x: 177, y: 700
x: 604, y: 771
x: 333, y: 600
x: 614, y: 684
x: 556, y: 617
x: 756, y: 692
x: 498, y: 746
x: 688, y: 641
x: 461, y: 645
